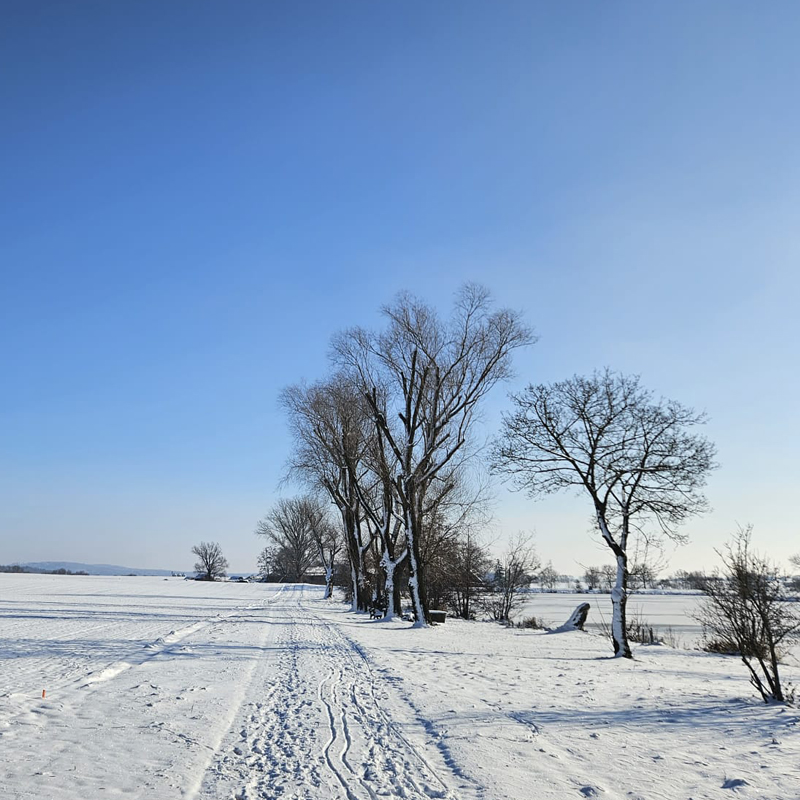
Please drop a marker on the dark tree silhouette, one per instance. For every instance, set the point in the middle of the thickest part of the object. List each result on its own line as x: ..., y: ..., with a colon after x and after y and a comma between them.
x: 211, y: 564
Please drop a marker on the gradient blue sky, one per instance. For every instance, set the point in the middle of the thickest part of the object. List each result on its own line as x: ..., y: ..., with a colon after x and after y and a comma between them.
x: 196, y: 195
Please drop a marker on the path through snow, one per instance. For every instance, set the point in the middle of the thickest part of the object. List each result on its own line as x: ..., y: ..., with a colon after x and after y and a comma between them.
x: 316, y: 726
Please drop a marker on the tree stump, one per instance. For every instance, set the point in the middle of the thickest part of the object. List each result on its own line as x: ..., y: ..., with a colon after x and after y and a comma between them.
x: 576, y: 621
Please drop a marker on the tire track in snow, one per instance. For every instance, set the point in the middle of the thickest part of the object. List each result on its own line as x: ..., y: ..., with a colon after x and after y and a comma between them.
x: 329, y: 708
x: 349, y: 652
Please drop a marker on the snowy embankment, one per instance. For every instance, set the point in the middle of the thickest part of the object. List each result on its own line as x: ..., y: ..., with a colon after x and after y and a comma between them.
x: 169, y: 689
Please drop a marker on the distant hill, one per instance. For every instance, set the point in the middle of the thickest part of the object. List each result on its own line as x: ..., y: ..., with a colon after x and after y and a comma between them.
x: 93, y: 569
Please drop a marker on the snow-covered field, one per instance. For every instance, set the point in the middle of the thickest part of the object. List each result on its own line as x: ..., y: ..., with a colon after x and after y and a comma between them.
x: 167, y: 689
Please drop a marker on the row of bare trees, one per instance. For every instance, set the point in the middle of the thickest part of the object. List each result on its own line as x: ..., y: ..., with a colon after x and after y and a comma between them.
x: 387, y: 438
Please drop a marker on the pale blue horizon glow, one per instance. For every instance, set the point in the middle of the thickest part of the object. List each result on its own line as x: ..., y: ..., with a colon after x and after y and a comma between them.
x: 197, y: 196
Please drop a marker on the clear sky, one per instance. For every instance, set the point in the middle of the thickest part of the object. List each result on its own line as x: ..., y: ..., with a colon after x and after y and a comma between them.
x: 196, y: 195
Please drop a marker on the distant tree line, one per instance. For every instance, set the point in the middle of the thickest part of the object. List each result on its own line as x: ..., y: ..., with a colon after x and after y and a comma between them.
x: 17, y: 568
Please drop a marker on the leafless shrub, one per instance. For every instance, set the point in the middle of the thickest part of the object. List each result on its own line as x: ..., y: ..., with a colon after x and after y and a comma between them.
x: 513, y: 574
x: 671, y: 639
x: 720, y: 647
x: 533, y: 623
x: 746, y: 612
x: 640, y: 630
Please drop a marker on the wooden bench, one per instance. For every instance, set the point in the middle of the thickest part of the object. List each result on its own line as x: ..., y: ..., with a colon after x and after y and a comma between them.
x: 377, y: 611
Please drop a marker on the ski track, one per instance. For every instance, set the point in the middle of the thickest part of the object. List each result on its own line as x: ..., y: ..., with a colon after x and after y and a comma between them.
x: 78, y: 669
x: 318, y: 728
x: 73, y: 674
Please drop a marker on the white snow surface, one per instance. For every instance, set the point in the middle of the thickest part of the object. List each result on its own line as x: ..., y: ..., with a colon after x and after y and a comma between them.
x: 163, y: 688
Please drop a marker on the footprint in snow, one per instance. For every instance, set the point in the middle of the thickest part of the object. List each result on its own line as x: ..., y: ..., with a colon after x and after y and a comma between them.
x: 734, y: 783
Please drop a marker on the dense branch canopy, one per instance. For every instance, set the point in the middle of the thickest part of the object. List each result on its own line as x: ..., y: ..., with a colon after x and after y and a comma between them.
x: 635, y: 455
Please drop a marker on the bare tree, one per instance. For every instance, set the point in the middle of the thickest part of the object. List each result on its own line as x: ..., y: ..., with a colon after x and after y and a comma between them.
x: 328, y: 540
x: 423, y: 380
x: 293, y: 526
x: 382, y: 513
x: 795, y: 581
x: 266, y: 563
x: 632, y: 454
x: 470, y: 565
x: 592, y: 578
x: 332, y: 432
x: 548, y: 577
x: 641, y: 575
x: 275, y: 564
x: 513, y: 573
x: 211, y: 564
x: 608, y: 576
x: 746, y: 611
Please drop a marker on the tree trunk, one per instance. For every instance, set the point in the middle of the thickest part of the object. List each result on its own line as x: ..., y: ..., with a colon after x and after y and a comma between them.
x: 619, y: 594
x: 364, y: 598
x: 390, y: 565
x: 619, y: 601
x: 353, y: 586
x: 416, y: 581
x: 391, y: 589
x: 775, y: 682
x: 356, y: 558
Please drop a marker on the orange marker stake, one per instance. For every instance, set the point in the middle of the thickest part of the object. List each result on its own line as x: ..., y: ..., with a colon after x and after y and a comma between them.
x: 43, y: 693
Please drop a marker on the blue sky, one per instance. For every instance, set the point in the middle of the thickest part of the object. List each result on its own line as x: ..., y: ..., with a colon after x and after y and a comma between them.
x: 195, y: 196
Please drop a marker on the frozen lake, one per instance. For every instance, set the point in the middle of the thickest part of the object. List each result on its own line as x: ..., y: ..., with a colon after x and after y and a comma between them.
x: 658, y: 610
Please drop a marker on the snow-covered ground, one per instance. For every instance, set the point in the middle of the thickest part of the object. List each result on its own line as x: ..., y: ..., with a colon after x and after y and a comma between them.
x: 167, y: 689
